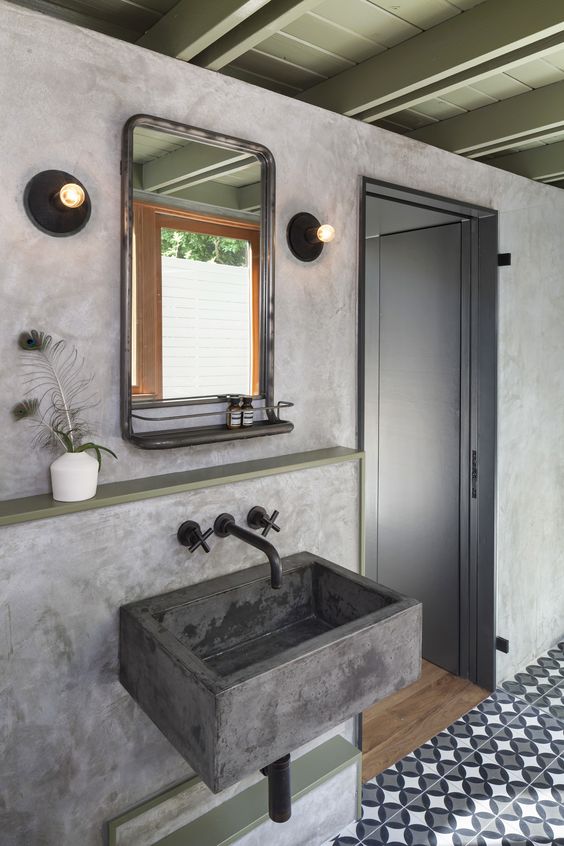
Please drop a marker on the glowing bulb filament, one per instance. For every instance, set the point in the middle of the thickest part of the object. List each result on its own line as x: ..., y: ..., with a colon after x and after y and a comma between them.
x: 325, y: 233
x: 72, y: 195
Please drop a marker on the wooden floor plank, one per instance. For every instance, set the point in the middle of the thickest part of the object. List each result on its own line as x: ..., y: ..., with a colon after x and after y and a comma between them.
x: 430, y: 673
x: 396, y: 726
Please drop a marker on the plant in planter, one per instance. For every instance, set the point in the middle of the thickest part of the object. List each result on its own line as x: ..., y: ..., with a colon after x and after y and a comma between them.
x: 54, y: 375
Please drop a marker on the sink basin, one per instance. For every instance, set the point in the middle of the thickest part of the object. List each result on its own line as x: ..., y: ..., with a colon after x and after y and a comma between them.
x: 236, y: 674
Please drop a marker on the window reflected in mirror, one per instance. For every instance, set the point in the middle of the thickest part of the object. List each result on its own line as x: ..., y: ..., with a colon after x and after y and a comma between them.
x: 196, y: 274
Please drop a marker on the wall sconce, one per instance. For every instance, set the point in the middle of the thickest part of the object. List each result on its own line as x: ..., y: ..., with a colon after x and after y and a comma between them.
x: 57, y: 203
x: 307, y: 236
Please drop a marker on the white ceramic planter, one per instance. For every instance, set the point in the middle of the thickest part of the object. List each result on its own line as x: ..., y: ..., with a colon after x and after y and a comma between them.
x: 74, y: 476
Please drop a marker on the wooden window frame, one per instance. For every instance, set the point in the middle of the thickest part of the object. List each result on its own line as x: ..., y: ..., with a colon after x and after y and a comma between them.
x: 148, y: 221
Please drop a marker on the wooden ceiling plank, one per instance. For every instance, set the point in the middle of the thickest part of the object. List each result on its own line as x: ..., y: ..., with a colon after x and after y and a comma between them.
x: 469, y: 98
x: 191, y: 25
x: 536, y: 73
x: 439, y: 109
x: 330, y: 36
x: 500, y: 86
x: 368, y: 19
x: 458, y: 46
x: 250, y: 196
x: 422, y: 15
x: 129, y: 15
x: 464, y: 5
x: 544, y: 163
x: 274, y: 68
x: 265, y: 22
x: 534, y: 114
x: 72, y: 16
x: 409, y: 119
x: 264, y: 82
x: 291, y: 49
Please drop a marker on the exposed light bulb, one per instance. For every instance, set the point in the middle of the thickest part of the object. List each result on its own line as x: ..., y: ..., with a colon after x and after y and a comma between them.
x: 72, y: 195
x: 325, y: 233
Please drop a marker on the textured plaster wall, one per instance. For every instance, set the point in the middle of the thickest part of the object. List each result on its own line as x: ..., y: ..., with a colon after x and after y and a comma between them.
x: 77, y: 748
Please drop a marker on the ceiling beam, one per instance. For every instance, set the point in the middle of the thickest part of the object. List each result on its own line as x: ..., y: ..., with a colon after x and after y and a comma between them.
x: 544, y: 163
x: 558, y: 183
x: 484, y: 34
x: 191, y: 161
x: 536, y: 114
x: 210, y: 175
x: 212, y: 194
x: 246, y: 198
x: 466, y: 77
x: 192, y: 25
x: 267, y: 21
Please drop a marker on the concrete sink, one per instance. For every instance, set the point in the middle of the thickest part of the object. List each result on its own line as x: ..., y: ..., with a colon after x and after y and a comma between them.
x: 236, y: 674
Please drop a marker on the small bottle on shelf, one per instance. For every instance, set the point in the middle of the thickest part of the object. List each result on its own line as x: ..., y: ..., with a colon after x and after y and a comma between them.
x: 248, y: 411
x: 234, y: 413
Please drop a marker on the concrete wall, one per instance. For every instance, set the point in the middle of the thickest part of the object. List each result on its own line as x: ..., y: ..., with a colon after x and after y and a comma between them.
x: 76, y: 749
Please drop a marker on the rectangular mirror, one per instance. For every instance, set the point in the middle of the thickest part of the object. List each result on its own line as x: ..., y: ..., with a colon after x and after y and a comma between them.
x: 198, y: 296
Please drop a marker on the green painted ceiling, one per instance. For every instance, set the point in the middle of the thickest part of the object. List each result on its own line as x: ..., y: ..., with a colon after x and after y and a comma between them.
x: 484, y: 78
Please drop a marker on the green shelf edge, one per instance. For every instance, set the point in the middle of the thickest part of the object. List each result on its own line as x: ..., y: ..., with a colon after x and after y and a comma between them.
x: 42, y: 506
x: 244, y: 812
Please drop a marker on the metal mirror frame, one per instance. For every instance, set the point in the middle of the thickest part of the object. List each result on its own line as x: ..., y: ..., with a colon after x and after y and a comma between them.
x: 164, y: 439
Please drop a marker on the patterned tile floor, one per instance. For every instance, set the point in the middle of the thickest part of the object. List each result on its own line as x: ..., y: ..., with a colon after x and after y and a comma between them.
x: 495, y: 777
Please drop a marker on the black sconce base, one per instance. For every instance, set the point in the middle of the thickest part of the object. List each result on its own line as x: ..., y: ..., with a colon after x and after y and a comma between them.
x: 49, y: 215
x: 299, y: 235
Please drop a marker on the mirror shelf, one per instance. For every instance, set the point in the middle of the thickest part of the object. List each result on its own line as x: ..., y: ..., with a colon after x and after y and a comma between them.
x: 172, y: 438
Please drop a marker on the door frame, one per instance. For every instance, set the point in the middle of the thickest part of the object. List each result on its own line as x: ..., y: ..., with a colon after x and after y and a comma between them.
x: 478, y: 493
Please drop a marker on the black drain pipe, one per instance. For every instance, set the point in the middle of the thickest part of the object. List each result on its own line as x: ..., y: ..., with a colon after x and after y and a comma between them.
x: 279, y: 790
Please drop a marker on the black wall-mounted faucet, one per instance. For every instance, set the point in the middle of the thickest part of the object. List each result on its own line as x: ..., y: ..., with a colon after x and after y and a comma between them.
x: 225, y: 525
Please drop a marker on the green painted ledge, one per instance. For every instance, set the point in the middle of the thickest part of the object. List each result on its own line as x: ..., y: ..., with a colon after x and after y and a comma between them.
x: 228, y: 822
x: 115, y: 493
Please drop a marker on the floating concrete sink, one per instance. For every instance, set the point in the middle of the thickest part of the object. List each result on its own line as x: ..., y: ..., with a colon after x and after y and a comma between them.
x: 236, y: 674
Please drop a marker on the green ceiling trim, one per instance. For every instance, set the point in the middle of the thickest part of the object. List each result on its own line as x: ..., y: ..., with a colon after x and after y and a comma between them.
x: 469, y: 76
x: 557, y: 183
x: 229, y: 821
x: 264, y: 23
x: 191, y: 163
x: 74, y: 16
x: 42, y: 506
x: 484, y: 33
x: 542, y: 163
x: 192, y: 25
x: 535, y: 114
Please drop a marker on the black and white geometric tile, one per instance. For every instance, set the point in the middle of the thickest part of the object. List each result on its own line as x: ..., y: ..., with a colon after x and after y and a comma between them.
x: 495, y: 777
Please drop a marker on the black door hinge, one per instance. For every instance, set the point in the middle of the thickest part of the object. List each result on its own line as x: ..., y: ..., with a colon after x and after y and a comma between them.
x: 503, y: 259
x: 474, y: 474
x: 502, y: 645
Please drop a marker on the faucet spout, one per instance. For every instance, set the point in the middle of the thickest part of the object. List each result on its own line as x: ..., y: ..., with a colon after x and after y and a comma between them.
x: 225, y: 525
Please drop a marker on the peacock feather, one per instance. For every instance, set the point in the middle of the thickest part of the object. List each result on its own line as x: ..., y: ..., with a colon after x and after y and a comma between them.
x: 31, y: 340
x: 26, y: 408
x: 54, y: 375
x: 61, y: 393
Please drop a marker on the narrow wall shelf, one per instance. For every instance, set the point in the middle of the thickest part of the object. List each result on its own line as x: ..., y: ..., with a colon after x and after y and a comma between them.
x: 115, y: 493
x: 229, y: 821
